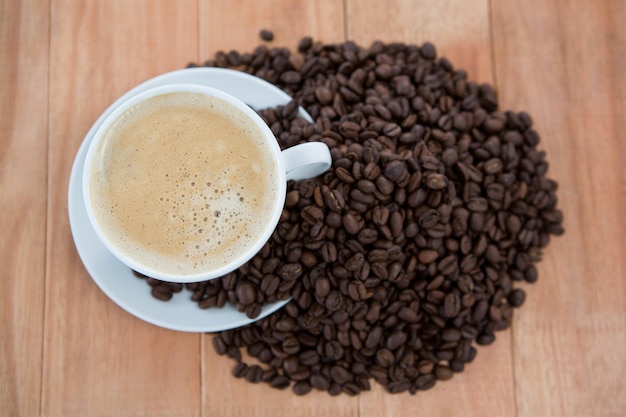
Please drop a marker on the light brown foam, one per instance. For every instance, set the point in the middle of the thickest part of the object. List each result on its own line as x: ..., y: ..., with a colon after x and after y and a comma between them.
x: 184, y: 183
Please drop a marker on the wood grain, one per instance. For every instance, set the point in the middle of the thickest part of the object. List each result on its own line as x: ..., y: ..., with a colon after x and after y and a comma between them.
x: 486, y: 388
x: 98, y: 359
x: 23, y: 182
x: 66, y: 349
x: 290, y: 21
x: 459, y: 30
x: 569, y: 338
x: 235, y: 25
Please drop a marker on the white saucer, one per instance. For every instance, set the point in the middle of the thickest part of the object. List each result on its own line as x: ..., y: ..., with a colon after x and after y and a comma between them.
x: 114, y: 278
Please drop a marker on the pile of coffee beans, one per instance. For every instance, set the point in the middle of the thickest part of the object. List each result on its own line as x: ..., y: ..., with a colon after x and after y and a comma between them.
x: 402, y: 258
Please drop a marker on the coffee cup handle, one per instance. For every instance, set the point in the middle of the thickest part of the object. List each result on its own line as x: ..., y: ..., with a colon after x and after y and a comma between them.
x: 307, y: 160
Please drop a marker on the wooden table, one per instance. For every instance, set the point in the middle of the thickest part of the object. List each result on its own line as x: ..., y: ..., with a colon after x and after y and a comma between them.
x: 67, y: 350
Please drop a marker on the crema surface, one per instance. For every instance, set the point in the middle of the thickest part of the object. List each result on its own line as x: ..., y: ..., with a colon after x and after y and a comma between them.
x: 184, y: 183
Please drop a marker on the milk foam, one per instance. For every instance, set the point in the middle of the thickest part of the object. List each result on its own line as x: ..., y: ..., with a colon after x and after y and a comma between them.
x: 184, y: 183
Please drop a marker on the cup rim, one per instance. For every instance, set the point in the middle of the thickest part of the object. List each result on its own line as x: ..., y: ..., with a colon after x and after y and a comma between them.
x: 269, y: 139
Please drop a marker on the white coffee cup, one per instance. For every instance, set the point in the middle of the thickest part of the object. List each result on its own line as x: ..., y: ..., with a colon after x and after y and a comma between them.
x: 135, y: 183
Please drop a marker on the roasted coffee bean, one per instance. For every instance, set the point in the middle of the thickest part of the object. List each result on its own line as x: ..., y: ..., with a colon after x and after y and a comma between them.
x: 255, y: 349
x: 344, y: 175
x: 408, y: 315
x: 319, y: 382
x: 290, y: 271
x: 427, y: 256
x: 357, y: 290
x: 517, y: 297
x: 291, y: 77
x: 451, y: 335
x: 395, y: 171
x: 340, y: 375
x: 334, y: 200
x: 209, y: 302
x: 436, y: 181
x: 392, y: 130
x: 350, y: 389
x: 334, y: 300
x: 479, y: 204
x: 374, y: 337
x: 352, y: 223
x: 425, y: 382
x: 246, y: 293
x: 253, y: 374
x: 366, y: 186
x: 396, y: 387
x: 286, y: 324
x: 290, y: 364
x: 302, y: 388
x: 396, y: 339
x: 266, y: 35
x: 451, y: 305
x: 220, y: 346
x: 309, y: 358
x: 448, y: 265
x: 428, y: 218
x: 385, y: 358
x: 371, y: 171
x: 329, y: 252
x: 161, y: 292
x: 312, y: 214
x: 349, y: 129
x: 269, y: 375
x: 480, y: 311
x: 380, y: 215
x: 362, y: 197
x: 322, y: 287
x: 280, y: 382
x: 384, y: 187
x: 333, y: 350
x: 253, y: 310
x: 405, y: 252
x: 443, y: 373
x: 291, y: 345
x: 367, y: 236
x: 301, y: 374
x: 239, y: 370
x: 492, y: 166
x: 269, y: 284
x: 485, y: 338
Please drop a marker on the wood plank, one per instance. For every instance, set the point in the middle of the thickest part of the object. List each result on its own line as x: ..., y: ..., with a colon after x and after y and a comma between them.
x: 290, y: 21
x: 459, y: 30
x: 377, y: 402
x: 23, y: 177
x: 224, y: 395
x: 569, y: 337
x: 477, y: 391
x: 98, y: 359
x: 235, y: 25
x: 486, y: 387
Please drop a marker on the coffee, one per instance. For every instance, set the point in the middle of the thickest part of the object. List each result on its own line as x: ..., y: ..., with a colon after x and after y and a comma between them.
x: 184, y: 183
